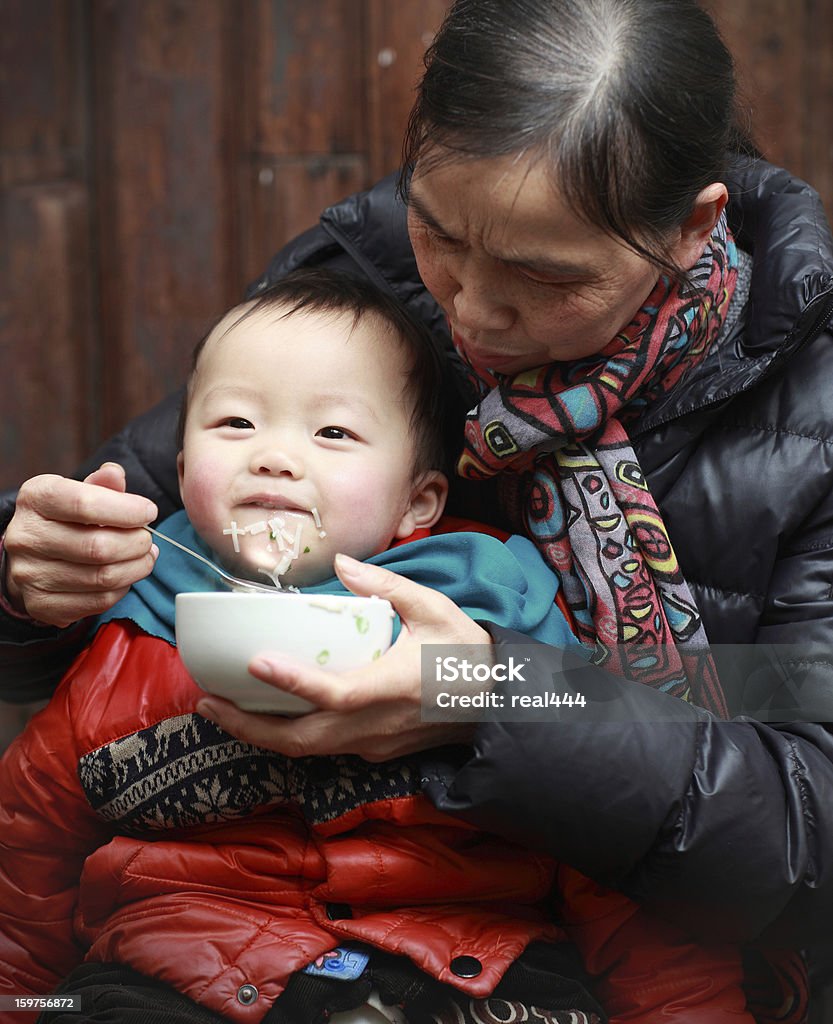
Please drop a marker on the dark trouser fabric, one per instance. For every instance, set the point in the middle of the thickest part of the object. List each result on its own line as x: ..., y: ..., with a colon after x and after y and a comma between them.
x: 543, y: 981
x: 113, y: 994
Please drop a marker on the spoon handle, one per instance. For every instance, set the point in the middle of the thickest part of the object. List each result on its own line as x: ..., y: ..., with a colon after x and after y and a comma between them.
x: 248, y: 584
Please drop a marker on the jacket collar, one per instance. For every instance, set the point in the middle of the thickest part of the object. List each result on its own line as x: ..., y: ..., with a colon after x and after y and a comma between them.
x: 779, y: 221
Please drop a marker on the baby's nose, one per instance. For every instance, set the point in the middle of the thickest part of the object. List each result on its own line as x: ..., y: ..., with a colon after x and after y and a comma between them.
x: 277, y: 459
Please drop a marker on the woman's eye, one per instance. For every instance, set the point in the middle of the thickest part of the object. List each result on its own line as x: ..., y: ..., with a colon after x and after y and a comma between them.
x: 333, y: 433
x: 437, y: 239
x: 239, y: 423
x: 441, y: 241
x: 544, y: 279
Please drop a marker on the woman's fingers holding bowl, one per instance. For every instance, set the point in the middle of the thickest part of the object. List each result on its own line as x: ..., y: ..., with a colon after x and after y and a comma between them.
x: 374, y: 711
x: 395, y: 678
x: 385, y: 681
x: 426, y: 614
x: 319, y: 733
x: 376, y: 731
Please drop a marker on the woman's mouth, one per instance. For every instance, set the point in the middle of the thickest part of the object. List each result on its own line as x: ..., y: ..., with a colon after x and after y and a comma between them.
x: 480, y: 357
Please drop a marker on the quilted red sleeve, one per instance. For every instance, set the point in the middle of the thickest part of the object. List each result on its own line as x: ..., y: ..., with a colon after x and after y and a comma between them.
x: 47, y: 829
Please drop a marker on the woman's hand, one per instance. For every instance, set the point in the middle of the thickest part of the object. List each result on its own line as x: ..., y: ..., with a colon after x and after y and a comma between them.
x: 374, y: 711
x: 74, y: 548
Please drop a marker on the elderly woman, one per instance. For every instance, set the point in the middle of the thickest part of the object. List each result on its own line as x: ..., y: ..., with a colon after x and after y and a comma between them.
x: 638, y: 308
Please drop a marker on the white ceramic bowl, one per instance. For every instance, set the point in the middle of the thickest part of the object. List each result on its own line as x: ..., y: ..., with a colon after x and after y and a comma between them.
x: 218, y: 634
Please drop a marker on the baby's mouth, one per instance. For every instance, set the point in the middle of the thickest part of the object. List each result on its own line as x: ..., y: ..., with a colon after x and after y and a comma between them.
x: 283, y: 529
x: 270, y: 503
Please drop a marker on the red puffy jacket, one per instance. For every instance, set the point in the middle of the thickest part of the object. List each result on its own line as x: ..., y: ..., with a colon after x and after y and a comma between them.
x: 133, y: 830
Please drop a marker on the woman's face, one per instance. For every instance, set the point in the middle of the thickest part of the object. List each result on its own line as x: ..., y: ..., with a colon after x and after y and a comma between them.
x: 522, y: 279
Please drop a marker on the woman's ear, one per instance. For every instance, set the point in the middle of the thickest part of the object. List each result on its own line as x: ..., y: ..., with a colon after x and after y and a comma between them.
x: 428, y: 499
x: 698, y: 226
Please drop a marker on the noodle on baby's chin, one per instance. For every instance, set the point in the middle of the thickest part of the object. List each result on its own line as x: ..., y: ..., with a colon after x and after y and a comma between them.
x: 288, y: 542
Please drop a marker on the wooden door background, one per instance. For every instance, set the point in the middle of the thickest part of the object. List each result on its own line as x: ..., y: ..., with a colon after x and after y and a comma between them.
x: 155, y: 153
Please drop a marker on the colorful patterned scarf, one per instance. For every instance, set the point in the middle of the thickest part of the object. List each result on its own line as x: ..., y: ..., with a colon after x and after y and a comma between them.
x: 575, y: 481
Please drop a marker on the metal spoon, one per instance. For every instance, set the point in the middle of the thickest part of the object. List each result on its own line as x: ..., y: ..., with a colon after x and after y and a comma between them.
x: 233, y: 581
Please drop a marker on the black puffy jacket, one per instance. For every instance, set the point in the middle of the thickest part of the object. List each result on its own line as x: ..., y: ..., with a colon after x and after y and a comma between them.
x: 725, y: 826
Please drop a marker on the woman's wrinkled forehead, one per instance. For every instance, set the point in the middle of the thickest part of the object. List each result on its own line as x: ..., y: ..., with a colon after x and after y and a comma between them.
x: 508, y: 207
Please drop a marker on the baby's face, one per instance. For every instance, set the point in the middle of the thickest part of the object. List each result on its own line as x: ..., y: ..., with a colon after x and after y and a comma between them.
x: 297, y: 444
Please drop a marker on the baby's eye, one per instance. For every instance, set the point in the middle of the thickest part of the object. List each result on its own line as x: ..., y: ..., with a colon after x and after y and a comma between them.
x: 239, y: 423
x: 333, y: 433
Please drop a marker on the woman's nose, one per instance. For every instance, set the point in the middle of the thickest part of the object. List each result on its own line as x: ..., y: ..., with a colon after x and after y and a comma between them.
x: 478, y: 300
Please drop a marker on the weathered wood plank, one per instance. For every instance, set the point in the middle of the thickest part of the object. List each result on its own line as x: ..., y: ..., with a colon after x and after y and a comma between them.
x: 280, y: 198
x: 397, y: 37
x: 41, y: 90
x: 817, y: 102
x: 766, y: 39
x: 48, y: 383
x: 784, y: 56
x: 304, y: 91
x: 166, y: 240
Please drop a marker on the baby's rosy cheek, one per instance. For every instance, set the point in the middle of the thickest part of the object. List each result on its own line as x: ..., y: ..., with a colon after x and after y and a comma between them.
x: 199, y: 494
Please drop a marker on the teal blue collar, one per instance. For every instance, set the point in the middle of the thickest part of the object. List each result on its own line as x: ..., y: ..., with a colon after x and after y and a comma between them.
x: 505, y: 583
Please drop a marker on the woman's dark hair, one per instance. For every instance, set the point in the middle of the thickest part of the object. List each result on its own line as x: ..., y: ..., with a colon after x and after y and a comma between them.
x: 631, y: 104
x: 433, y: 422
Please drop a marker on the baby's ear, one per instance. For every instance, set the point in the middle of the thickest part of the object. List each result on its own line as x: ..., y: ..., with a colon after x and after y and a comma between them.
x: 180, y: 469
x: 428, y: 498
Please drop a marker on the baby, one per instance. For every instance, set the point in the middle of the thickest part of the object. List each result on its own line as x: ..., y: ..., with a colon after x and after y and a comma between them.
x: 148, y: 859
x: 338, y: 452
